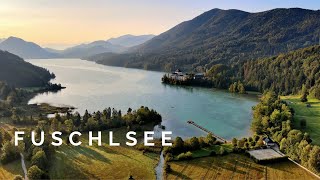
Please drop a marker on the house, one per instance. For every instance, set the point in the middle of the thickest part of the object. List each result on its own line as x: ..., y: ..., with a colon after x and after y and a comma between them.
x: 198, y: 76
x: 268, y: 142
x: 179, y: 75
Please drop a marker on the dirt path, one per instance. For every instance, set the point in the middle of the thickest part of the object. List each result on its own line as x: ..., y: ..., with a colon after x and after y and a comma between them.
x: 24, y: 167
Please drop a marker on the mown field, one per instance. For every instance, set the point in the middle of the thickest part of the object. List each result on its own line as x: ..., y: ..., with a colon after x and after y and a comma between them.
x: 234, y: 166
x: 105, y: 162
x: 10, y: 170
x: 310, y: 114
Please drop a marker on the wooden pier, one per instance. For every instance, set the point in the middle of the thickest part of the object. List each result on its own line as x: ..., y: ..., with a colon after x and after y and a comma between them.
x: 206, y: 130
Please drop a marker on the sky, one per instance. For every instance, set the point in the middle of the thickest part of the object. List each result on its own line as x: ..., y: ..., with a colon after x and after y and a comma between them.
x: 63, y: 23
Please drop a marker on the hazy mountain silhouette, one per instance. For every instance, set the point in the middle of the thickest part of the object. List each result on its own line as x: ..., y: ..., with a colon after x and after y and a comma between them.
x: 96, y: 47
x: 25, y: 49
x: 113, y: 45
x: 130, y: 40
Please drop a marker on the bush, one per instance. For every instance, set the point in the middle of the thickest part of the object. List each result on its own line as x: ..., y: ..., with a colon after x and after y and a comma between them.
x: 185, y: 156
x: 222, y: 151
x: 35, y: 173
x: 18, y: 177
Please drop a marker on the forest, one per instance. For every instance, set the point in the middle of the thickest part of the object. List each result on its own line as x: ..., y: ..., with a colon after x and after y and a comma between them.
x: 222, y: 37
x: 18, y: 73
x: 284, y: 74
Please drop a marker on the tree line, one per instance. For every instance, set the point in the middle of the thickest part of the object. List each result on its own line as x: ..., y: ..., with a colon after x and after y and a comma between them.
x: 274, y: 118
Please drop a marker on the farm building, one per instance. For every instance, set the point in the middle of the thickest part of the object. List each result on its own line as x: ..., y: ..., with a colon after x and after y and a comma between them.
x: 266, y: 155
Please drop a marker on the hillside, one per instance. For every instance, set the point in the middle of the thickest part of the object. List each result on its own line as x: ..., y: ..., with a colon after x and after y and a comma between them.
x: 16, y: 72
x: 96, y: 47
x: 285, y: 73
x: 24, y: 49
x: 225, y: 37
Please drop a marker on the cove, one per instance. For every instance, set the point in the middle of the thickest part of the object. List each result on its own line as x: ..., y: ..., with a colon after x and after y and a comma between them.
x: 95, y: 87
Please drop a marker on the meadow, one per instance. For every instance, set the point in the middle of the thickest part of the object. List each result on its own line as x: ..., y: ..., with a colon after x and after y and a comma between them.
x: 102, y: 162
x: 234, y: 166
x: 310, y: 114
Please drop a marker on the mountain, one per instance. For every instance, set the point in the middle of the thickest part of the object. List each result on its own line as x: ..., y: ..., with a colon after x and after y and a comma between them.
x: 24, y: 49
x: 130, y: 40
x: 16, y: 72
x: 113, y: 45
x: 96, y: 47
x: 222, y: 37
x: 55, y: 51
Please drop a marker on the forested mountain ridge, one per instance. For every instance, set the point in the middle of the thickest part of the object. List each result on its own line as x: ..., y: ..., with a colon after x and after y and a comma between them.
x: 16, y: 72
x: 222, y: 37
x: 284, y: 74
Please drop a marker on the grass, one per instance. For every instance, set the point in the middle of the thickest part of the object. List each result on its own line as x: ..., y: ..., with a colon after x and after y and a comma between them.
x: 9, y: 171
x: 310, y: 114
x: 104, y: 162
x: 234, y: 166
x: 204, y: 152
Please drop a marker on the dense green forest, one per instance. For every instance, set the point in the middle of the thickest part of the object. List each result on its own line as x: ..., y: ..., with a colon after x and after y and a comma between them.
x: 284, y: 74
x: 16, y: 72
x: 222, y: 37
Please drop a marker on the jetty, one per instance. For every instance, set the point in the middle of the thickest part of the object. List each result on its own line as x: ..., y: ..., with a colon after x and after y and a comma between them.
x: 207, y: 131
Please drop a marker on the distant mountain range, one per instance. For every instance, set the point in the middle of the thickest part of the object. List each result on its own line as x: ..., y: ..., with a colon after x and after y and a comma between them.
x: 16, y: 72
x: 222, y: 37
x: 31, y: 50
x: 25, y: 49
x: 130, y: 40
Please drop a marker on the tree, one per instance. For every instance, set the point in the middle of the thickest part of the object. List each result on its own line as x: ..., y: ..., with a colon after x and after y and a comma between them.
x: 9, y: 153
x: 241, y: 88
x: 305, y: 94
x: 69, y: 125
x: 86, y: 116
x: 167, y: 168
x: 178, y: 144
x: 77, y: 120
x: 35, y: 173
x: 39, y: 159
x: 234, y: 142
x: 55, y: 125
x: 314, y: 158
x: 211, y: 140
x: 194, y: 143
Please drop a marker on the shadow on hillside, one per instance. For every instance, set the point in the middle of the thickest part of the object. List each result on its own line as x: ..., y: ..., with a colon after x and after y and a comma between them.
x: 73, y: 152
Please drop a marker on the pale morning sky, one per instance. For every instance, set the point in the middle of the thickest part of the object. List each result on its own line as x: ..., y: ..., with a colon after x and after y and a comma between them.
x: 61, y: 23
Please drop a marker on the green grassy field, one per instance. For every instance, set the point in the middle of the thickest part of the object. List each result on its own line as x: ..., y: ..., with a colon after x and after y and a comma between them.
x: 234, y: 166
x: 105, y: 162
x: 10, y: 170
x: 310, y: 114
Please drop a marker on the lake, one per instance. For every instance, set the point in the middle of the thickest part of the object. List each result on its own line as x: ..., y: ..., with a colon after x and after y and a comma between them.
x: 95, y: 87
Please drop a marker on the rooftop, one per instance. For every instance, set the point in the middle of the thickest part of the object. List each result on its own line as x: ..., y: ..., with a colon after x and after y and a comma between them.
x: 265, y: 154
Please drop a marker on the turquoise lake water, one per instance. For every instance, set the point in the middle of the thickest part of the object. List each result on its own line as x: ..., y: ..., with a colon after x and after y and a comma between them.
x: 94, y: 87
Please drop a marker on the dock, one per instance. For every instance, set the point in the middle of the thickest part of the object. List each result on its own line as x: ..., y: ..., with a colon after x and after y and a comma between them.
x: 207, y: 131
